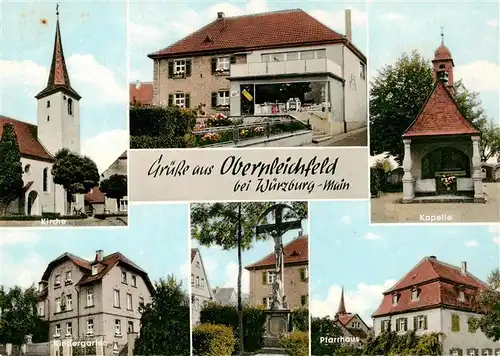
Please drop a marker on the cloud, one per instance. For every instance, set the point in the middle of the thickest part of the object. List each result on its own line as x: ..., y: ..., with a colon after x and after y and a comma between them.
x: 98, y: 82
x: 140, y: 34
x: 363, y: 301
x: 25, y: 238
x: 94, y: 81
x: 494, y: 228
x: 372, y: 236
x: 493, y: 23
x: 210, y: 265
x: 28, y: 269
x: 105, y: 147
x: 347, y: 219
x: 185, y: 270
x: 232, y: 278
x: 479, y: 75
x: 391, y: 16
x: 471, y: 243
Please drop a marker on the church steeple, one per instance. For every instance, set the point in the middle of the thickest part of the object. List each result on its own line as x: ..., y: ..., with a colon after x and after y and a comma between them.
x: 58, y: 75
x: 342, y: 310
x: 443, y: 64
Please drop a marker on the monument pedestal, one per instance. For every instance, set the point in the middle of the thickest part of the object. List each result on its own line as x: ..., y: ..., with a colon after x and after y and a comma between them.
x: 277, y: 324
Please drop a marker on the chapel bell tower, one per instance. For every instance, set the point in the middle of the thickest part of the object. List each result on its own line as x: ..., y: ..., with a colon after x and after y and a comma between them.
x: 58, y: 105
x: 443, y: 64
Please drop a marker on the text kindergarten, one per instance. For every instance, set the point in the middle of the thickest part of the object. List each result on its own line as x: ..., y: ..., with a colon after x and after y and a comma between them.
x: 280, y: 174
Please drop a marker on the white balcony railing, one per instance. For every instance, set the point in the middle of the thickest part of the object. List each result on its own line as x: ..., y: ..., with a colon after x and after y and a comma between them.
x: 302, y: 66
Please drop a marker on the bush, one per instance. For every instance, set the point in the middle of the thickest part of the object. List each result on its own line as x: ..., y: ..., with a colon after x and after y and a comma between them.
x: 296, y: 343
x: 254, y: 320
x: 374, y: 181
x: 159, y: 127
x: 324, y: 327
x: 213, y: 340
x: 300, y: 319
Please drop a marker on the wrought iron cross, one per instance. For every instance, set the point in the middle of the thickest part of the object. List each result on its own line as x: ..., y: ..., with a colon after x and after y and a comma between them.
x: 442, y: 35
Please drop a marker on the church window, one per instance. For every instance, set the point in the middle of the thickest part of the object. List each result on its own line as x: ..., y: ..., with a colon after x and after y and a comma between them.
x: 70, y: 106
x: 27, y: 168
x: 45, y: 179
x: 48, y: 118
x: 48, y: 103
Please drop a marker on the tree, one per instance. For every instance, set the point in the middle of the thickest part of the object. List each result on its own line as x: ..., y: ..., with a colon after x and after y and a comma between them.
x: 77, y: 174
x: 115, y: 187
x: 232, y: 225
x: 489, y: 304
x: 398, y: 93
x: 165, y: 322
x: 11, y: 169
x: 324, y: 327
x: 19, y: 316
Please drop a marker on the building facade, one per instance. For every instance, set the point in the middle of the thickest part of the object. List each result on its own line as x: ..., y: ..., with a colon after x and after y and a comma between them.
x: 200, y: 288
x: 58, y: 127
x: 353, y: 328
x: 295, y: 272
x: 238, y: 66
x: 435, y: 297
x: 96, y: 299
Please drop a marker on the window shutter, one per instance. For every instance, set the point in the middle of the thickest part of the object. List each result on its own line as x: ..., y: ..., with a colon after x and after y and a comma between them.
x: 170, y: 99
x: 397, y: 325
x: 187, y: 100
x: 233, y: 59
x: 415, y: 323
x: 214, y: 99
x: 425, y: 322
x: 264, y: 278
x: 188, y: 68
x: 170, y: 69
x: 302, y: 274
x: 214, y: 64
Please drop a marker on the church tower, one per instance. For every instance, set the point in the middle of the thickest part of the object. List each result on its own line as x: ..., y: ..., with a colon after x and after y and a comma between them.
x: 58, y: 105
x: 342, y: 310
x: 443, y: 65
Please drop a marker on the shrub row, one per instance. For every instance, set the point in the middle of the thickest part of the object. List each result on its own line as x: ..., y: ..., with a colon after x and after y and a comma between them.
x: 296, y: 343
x: 300, y: 319
x: 213, y: 340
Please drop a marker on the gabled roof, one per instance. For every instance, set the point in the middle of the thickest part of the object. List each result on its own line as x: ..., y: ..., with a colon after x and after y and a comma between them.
x: 224, y: 295
x: 438, y: 284
x: 104, y: 267
x: 277, y: 29
x: 58, y: 75
x: 27, y: 139
x: 440, y: 116
x: 194, y: 252
x: 95, y: 196
x: 295, y: 252
x: 141, y: 93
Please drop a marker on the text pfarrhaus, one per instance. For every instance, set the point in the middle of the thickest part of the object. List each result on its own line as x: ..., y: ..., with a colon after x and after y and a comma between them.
x: 237, y: 166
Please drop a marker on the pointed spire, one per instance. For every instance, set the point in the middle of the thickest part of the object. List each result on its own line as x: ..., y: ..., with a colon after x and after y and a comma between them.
x: 342, y: 309
x: 58, y: 75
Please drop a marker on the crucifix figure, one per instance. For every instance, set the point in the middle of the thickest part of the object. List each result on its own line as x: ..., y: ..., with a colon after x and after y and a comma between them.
x: 277, y: 229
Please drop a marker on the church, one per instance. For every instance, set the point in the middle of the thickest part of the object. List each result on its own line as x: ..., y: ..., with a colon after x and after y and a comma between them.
x: 351, y: 325
x: 442, y: 159
x: 58, y: 127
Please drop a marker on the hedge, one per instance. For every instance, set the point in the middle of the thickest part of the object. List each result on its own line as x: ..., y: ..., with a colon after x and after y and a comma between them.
x: 300, y: 319
x: 160, y: 127
x: 254, y: 320
x: 296, y: 343
x: 213, y: 340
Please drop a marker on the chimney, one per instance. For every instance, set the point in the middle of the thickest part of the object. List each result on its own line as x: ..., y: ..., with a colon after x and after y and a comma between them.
x: 432, y: 257
x: 348, y: 29
x: 220, y: 15
x: 464, y: 268
x: 98, y: 255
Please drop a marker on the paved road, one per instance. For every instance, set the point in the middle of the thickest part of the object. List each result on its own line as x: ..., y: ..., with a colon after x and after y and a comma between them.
x: 358, y: 138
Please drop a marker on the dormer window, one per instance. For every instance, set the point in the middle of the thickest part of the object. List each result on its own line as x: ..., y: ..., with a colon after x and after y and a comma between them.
x: 395, y: 298
x: 94, y: 269
x: 415, y: 294
x: 461, y: 296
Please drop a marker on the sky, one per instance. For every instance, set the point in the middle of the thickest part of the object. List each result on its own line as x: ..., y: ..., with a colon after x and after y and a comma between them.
x: 153, y: 28
x: 221, y: 266
x: 156, y: 240
x: 94, y: 37
x: 367, y: 260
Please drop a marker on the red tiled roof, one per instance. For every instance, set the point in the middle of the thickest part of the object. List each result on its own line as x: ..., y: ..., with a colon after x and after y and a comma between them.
x: 29, y: 146
x: 267, y: 30
x: 141, y: 94
x: 438, y: 285
x: 296, y: 251
x: 194, y: 251
x: 95, y: 196
x: 58, y: 75
x: 440, y: 116
x: 346, y: 318
x: 442, y: 52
